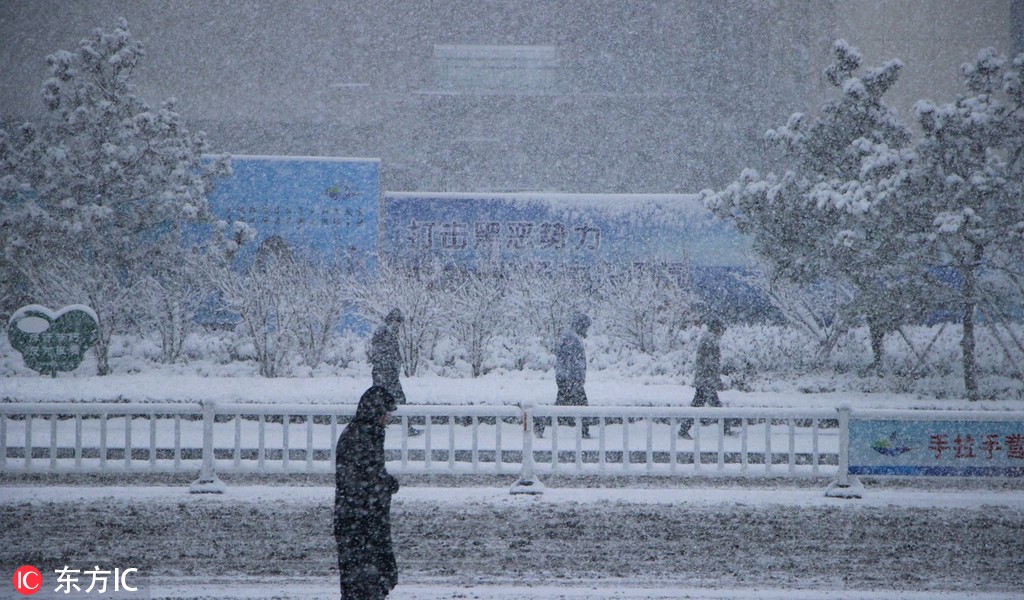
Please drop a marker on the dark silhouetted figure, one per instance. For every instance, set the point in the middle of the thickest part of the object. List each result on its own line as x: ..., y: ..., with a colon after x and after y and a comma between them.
x: 706, y: 377
x: 570, y: 374
x: 362, y: 502
x: 386, y: 359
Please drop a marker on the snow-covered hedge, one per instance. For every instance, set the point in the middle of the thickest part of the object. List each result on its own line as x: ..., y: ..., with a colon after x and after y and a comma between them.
x: 754, y: 358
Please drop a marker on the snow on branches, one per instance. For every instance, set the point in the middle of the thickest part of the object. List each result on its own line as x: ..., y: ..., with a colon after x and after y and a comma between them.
x: 106, y: 183
x: 861, y: 203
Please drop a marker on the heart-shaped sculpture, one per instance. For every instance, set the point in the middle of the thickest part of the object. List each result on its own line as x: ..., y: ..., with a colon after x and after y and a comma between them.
x: 53, y: 341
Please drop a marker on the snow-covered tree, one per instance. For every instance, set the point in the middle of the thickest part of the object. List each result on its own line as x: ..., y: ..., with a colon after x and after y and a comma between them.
x: 173, y: 297
x: 18, y: 150
x: 966, y: 178
x: 860, y: 204
x: 476, y: 311
x: 416, y: 290
x: 322, y: 308
x: 544, y: 297
x: 267, y: 298
x: 644, y: 305
x: 96, y: 197
x: 821, y: 221
x: 289, y: 305
x: 822, y: 312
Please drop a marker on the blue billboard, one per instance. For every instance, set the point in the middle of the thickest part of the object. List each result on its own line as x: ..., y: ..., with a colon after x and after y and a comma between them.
x: 674, y: 231
x: 326, y: 207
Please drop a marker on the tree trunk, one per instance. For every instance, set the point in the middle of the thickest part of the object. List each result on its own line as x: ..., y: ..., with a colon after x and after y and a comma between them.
x: 970, y: 297
x: 877, y: 334
x: 102, y: 352
x: 173, y: 331
x: 410, y: 359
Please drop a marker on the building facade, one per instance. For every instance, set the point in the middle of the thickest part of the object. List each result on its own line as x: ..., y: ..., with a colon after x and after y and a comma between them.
x: 589, y: 96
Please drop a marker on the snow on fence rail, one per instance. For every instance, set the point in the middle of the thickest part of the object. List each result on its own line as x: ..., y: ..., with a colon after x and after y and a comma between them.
x: 274, y: 438
x: 219, y: 438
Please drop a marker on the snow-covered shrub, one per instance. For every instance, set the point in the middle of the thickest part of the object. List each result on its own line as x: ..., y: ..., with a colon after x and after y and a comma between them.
x: 476, y: 309
x: 416, y: 290
x: 643, y: 305
x: 213, y: 346
x: 344, y: 350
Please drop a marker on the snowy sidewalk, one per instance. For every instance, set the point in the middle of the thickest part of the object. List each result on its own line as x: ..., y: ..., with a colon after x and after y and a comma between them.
x: 903, y: 497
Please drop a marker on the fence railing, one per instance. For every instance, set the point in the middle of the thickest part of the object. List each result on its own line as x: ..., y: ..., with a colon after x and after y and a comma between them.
x: 214, y: 438
x: 231, y: 438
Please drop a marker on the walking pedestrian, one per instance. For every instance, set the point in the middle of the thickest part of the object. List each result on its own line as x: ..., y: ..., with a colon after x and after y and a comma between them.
x: 570, y: 374
x: 362, y: 502
x: 386, y: 359
x: 707, y: 374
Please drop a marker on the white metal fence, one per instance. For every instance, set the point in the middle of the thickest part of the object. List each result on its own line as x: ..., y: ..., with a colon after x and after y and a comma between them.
x: 274, y: 438
x: 218, y: 438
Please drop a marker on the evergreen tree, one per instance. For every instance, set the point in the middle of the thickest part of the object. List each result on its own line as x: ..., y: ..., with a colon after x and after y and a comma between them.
x: 825, y: 218
x: 98, y: 198
x: 861, y: 204
x: 966, y: 179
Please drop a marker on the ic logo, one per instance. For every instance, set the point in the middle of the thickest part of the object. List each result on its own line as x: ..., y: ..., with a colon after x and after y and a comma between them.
x: 27, y: 580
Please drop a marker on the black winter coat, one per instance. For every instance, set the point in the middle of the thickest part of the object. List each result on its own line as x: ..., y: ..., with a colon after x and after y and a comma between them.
x: 386, y: 361
x: 362, y: 502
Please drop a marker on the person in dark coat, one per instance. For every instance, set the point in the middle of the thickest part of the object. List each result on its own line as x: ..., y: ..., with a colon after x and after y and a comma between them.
x: 386, y: 359
x: 706, y: 377
x: 362, y: 502
x: 570, y: 374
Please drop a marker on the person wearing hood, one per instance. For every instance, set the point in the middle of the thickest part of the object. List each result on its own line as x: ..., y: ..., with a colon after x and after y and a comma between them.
x: 570, y: 374
x: 362, y: 502
x: 706, y: 377
x: 386, y: 359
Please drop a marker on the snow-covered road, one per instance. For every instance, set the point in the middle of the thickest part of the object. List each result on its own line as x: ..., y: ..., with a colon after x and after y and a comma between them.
x: 305, y: 589
x: 685, y: 540
x: 697, y: 493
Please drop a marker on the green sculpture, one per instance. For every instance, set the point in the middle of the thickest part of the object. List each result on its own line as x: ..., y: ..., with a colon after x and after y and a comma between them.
x: 53, y: 341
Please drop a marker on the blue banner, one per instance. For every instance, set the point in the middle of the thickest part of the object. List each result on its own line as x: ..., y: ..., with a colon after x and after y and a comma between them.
x: 672, y: 231
x: 327, y: 207
x: 937, y: 448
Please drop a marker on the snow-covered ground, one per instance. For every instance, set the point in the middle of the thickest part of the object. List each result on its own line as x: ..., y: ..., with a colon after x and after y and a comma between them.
x: 301, y: 589
x: 768, y: 366
x: 970, y: 499
x: 604, y: 388
x: 674, y: 541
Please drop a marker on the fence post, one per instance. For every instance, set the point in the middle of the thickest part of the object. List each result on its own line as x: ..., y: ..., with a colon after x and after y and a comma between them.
x: 527, y: 482
x: 844, y: 486
x: 208, y: 482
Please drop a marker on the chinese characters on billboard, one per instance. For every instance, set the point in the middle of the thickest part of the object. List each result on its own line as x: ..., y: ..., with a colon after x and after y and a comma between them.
x: 578, y: 228
x: 937, y: 448
x: 669, y: 231
x: 491, y: 236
